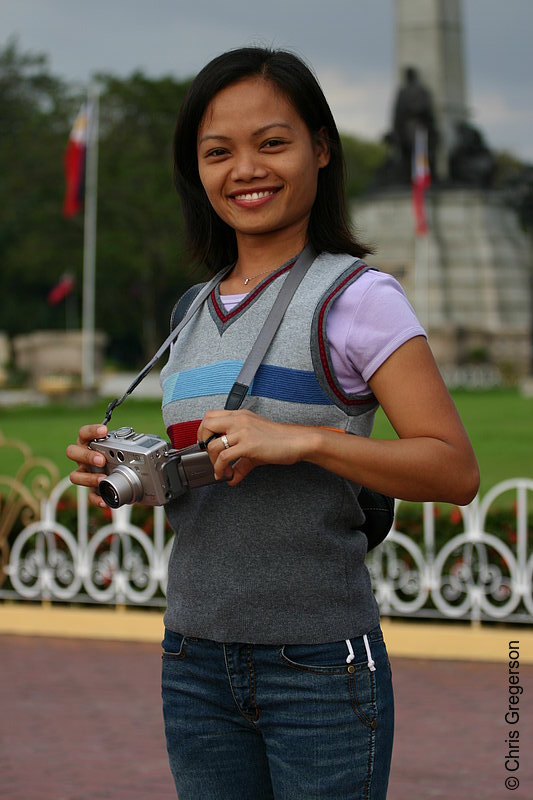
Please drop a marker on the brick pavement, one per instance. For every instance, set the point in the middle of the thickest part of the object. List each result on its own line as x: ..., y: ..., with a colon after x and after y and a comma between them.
x: 81, y: 720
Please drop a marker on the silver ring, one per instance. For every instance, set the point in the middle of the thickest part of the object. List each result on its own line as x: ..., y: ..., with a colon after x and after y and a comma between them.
x: 224, y: 440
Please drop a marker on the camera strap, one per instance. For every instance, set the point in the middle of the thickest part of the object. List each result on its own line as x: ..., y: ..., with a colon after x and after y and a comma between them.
x: 262, y: 343
x: 244, y: 378
x: 204, y: 292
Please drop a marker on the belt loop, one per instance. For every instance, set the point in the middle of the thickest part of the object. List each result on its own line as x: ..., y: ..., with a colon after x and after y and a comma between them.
x: 371, y: 664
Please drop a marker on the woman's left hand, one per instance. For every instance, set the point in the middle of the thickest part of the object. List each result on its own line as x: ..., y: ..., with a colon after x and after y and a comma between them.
x: 246, y: 440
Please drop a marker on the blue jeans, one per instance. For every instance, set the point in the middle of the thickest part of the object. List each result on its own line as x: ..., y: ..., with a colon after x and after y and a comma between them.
x: 290, y: 722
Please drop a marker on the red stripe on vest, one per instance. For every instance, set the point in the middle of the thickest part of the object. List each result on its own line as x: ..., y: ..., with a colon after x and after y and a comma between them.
x: 183, y: 434
x: 351, y: 401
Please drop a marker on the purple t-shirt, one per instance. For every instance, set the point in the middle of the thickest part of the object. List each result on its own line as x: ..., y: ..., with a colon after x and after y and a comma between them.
x: 365, y: 325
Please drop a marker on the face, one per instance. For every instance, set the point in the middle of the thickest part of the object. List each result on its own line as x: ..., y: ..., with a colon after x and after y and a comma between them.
x: 258, y: 162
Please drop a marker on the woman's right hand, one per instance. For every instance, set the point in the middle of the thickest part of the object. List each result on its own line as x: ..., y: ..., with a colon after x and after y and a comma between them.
x: 86, y: 458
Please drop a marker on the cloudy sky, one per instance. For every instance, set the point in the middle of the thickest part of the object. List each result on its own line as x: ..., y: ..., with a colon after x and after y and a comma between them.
x: 350, y: 44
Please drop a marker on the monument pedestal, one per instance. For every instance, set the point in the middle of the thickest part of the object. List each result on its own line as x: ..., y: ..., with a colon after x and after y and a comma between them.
x: 469, y: 278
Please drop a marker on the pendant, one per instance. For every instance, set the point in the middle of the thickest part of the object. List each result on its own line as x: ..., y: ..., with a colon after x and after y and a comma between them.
x: 246, y: 281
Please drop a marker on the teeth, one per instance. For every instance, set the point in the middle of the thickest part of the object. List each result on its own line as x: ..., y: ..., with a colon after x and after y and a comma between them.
x: 253, y: 195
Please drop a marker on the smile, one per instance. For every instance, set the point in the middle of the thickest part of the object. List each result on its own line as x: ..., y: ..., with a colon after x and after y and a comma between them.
x: 253, y: 195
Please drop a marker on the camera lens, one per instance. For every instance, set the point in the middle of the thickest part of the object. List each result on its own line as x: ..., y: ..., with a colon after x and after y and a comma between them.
x: 121, y: 487
x: 109, y: 494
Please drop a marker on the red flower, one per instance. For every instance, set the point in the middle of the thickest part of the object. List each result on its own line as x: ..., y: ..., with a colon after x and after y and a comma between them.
x: 455, y: 516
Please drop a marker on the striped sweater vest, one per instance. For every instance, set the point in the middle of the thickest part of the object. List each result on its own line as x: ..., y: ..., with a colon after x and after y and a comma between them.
x: 278, y: 558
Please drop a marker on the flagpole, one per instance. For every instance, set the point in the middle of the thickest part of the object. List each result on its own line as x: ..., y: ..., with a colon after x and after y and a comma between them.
x: 89, y: 241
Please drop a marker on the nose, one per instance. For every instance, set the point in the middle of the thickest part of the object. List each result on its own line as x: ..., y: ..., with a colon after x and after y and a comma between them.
x: 247, y: 164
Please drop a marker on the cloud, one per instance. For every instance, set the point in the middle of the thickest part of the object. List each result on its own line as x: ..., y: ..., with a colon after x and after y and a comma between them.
x: 361, y: 107
x: 506, y: 121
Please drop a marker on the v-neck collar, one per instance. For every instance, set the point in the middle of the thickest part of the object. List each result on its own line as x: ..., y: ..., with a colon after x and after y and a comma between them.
x: 222, y: 318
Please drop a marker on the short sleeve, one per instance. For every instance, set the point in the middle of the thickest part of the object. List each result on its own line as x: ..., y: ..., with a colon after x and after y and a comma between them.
x: 369, y: 321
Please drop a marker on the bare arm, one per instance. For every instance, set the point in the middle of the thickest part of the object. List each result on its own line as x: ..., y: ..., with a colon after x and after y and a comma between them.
x: 431, y: 460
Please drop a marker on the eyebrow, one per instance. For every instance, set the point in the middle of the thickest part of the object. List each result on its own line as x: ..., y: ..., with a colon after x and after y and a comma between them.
x: 258, y: 132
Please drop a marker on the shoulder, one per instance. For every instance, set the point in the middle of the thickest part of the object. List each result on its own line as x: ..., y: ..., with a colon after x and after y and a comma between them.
x: 183, y: 303
x: 372, y: 285
x: 371, y: 294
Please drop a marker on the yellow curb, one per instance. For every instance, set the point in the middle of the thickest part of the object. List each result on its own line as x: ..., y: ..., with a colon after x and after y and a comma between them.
x: 457, y: 641
x: 122, y: 624
x: 435, y: 640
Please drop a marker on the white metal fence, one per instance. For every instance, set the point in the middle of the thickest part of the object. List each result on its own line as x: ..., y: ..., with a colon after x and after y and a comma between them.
x: 65, y: 550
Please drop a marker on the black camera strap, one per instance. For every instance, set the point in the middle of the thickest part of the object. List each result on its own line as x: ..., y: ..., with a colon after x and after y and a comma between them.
x: 204, y: 292
x: 244, y: 379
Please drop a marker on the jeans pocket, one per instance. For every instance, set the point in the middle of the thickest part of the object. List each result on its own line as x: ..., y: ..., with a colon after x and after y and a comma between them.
x: 362, y: 687
x: 322, y: 659
x: 174, y: 646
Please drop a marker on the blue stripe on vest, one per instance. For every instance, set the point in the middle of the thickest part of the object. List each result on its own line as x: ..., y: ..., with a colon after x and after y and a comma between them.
x: 291, y: 385
x: 276, y: 383
x: 201, y: 382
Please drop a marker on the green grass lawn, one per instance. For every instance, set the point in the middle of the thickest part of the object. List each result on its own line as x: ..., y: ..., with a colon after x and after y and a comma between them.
x: 499, y: 422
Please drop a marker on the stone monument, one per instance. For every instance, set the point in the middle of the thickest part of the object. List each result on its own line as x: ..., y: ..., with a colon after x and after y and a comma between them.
x: 470, y: 276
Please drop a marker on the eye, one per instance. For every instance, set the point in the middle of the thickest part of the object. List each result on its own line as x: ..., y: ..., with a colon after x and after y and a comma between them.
x: 272, y: 143
x: 216, y: 152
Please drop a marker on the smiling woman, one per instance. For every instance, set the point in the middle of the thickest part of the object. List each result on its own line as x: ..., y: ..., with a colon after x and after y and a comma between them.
x: 260, y: 174
x: 276, y: 680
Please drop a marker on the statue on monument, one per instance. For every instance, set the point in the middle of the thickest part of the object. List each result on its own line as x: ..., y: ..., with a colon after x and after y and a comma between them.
x: 413, y: 109
x: 471, y: 162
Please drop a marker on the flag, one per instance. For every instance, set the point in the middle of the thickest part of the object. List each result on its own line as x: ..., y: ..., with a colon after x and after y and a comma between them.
x: 421, y: 180
x: 74, y: 164
x: 63, y: 287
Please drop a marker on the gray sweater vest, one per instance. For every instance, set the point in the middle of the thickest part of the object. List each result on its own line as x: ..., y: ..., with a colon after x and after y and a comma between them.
x: 279, y: 558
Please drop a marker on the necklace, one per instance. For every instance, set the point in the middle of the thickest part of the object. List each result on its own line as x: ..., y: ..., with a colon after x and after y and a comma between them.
x: 251, y: 278
x: 266, y: 272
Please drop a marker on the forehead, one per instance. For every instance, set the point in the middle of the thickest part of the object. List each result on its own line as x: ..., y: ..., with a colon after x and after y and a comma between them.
x: 248, y: 102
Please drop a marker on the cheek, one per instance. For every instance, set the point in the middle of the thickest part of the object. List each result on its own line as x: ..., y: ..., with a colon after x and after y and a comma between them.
x: 209, y: 184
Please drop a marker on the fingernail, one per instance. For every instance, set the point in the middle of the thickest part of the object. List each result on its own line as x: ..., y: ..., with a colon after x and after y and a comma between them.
x: 99, y: 461
x: 101, y: 431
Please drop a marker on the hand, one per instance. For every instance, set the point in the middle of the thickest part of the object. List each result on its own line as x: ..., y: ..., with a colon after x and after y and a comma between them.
x: 251, y: 440
x: 87, y: 458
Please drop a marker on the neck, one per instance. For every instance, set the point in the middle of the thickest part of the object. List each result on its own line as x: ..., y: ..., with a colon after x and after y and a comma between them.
x: 266, y: 253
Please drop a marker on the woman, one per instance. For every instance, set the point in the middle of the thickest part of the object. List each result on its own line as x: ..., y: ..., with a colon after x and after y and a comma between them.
x: 276, y: 681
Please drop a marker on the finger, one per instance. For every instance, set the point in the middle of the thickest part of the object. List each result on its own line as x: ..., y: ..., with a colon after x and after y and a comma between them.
x: 220, y: 421
x: 83, y: 455
x: 219, y: 452
x: 89, y: 432
x: 80, y: 477
x: 96, y: 500
x: 241, y: 469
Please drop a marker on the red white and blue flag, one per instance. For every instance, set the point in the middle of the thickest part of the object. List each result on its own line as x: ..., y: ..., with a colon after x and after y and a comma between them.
x: 74, y: 163
x: 421, y: 180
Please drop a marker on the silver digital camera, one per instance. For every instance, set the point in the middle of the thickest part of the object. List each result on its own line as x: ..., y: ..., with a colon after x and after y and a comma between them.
x: 143, y: 468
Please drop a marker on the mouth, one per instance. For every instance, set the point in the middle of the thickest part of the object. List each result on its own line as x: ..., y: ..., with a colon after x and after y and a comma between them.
x: 253, y: 198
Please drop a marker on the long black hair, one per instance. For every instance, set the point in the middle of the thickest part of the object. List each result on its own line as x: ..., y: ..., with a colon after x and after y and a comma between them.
x: 209, y: 239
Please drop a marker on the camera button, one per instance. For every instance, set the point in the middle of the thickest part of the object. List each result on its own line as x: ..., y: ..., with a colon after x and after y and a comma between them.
x: 122, y: 433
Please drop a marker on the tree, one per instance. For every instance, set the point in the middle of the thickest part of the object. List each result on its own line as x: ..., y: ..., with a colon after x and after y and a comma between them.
x: 362, y: 158
x: 140, y: 269
x: 35, y: 245
x: 141, y: 266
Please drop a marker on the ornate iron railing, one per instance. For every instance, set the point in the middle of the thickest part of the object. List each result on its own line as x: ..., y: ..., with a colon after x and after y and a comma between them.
x: 54, y: 546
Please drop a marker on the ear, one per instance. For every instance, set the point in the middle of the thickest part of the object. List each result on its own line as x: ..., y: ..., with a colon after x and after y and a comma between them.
x: 322, y: 147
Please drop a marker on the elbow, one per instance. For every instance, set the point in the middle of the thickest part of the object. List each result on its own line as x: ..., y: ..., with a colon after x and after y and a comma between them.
x: 468, y: 485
